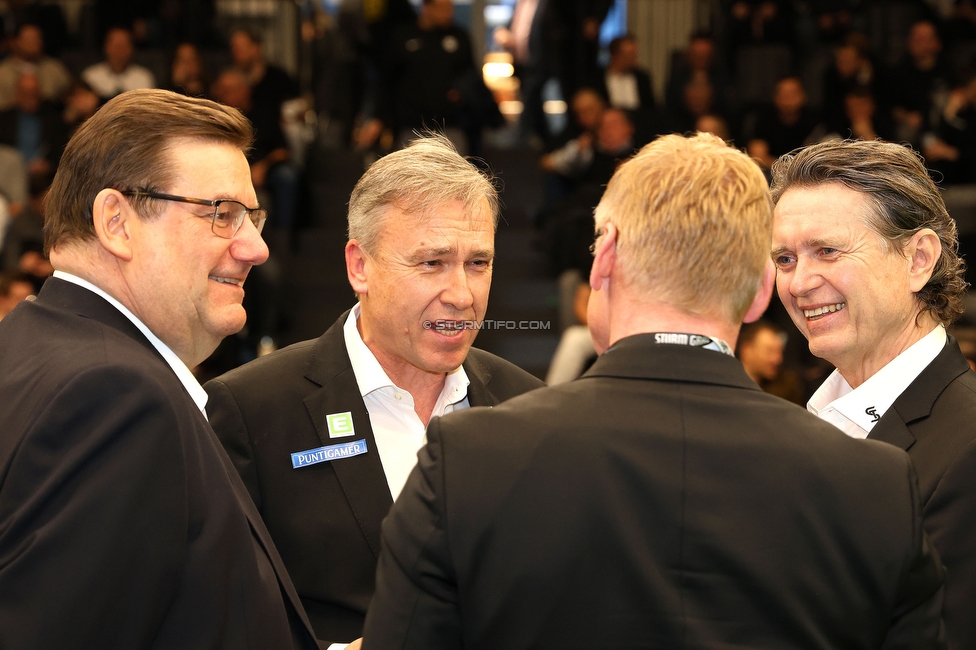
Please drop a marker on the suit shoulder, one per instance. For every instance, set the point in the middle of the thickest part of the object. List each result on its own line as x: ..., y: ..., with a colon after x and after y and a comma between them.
x: 505, y: 376
x: 291, y: 360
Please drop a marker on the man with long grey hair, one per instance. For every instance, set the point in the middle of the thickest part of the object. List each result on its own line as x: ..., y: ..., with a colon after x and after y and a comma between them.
x: 869, y: 270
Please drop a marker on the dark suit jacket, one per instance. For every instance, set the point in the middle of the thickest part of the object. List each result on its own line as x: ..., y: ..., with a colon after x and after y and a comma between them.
x: 122, y: 522
x: 660, y: 501
x: 324, y: 518
x: 935, y: 421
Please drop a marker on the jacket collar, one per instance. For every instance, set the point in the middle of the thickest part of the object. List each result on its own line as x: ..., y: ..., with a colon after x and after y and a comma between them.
x: 917, y: 400
x: 639, y: 357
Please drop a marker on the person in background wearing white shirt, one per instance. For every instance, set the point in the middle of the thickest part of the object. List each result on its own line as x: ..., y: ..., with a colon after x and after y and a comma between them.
x: 868, y: 267
x: 117, y: 73
x: 325, y: 432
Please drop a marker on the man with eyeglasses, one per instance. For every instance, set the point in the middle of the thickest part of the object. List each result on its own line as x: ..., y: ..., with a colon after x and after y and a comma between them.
x: 122, y: 522
x: 325, y: 432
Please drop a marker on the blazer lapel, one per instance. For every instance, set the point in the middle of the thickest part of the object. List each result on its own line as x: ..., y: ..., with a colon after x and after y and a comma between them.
x: 893, y: 430
x: 362, y: 477
x: 478, y: 378
x: 917, y: 400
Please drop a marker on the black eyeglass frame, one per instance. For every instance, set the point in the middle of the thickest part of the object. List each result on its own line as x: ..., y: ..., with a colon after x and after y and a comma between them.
x: 258, y: 216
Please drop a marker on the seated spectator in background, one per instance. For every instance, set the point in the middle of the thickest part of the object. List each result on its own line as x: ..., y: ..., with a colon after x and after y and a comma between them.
x: 950, y: 146
x: 698, y: 99
x: 564, y: 162
x: 569, y: 222
x: 698, y: 62
x: 784, y: 126
x: 586, y: 106
x: 49, y: 16
x: 28, y: 57
x: 851, y: 68
x: 714, y: 124
x: 14, y: 287
x: 117, y: 73
x: 34, y: 127
x: 80, y: 103
x: 861, y: 120
x: 269, y: 155
x: 833, y: 19
x: 760, y: 349
x: 961, y: 23
x: 759, y: 22
x: 627, y: 86
x: 271, y: 86
x: 575, y: 352
x: 23, y: 247
x: 187, y: 74
x: 914, y: 82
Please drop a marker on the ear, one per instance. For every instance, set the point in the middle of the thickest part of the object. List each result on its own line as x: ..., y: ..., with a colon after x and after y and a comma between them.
x: 923, y: 251
x: 356, y: 260
x: 113, y: 220
x: 761, y: 301
x: 604, y: 256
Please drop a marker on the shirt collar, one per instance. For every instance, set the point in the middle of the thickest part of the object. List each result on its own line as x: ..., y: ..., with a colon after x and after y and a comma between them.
x: 193, y: 387
x: 370, y: 375
x: 867, y: 403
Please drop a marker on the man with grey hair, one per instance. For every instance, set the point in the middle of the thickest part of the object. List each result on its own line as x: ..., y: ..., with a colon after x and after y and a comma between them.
x: 869, y: 270
x: 325, y: 432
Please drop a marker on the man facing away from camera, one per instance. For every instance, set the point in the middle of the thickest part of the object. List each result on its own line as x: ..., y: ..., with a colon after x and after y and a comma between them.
x: 661, y: 500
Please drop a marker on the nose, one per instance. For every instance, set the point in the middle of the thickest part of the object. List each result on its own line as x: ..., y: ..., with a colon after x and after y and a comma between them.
x: 804, y: 277
x: 458, y: 292
x: 248, y: 245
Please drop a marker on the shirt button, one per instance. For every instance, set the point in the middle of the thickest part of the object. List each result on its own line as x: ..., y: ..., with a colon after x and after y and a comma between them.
x: 398, y: 396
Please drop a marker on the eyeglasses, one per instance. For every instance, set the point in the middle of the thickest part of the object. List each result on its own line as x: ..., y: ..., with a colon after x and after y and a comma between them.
x: 228, y: 216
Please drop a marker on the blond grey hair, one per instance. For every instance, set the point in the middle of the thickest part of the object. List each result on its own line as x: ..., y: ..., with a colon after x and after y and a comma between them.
x: 428, y: 173
x: 695, y: 221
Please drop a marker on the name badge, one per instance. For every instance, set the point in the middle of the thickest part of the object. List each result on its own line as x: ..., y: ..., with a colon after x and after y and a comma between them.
x: 328, y: 453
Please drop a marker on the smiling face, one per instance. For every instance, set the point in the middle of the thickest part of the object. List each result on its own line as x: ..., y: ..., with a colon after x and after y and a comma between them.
x: 184, y: 282
x: 848, y: 293
x: 424, y: 269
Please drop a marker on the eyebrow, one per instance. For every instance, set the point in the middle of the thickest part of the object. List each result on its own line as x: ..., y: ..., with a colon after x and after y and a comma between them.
x: 431, y: 253
x: 810, y: 243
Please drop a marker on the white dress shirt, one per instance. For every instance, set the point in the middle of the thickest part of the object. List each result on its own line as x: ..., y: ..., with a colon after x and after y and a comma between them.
x: 622, y: 90
x: 397, y: 429
x: 107, y: 83
x: 183, y: 373
x: 856, y: 410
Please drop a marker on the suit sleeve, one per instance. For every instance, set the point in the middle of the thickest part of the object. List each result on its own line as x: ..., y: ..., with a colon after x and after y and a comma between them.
x: 227, y: 422
x: 950, y: 518
x: 917, y: 618
x: 415, y: 604
x: 93, y: 516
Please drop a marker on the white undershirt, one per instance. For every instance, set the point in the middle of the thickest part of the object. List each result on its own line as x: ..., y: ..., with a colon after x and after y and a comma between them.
x: 397, y: 429
x: 622, y: 90
x: 856, y: 410
x: 183, y: 373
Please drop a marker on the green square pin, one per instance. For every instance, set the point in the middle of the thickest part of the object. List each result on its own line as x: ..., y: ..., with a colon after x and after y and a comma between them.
x: 340, y: 424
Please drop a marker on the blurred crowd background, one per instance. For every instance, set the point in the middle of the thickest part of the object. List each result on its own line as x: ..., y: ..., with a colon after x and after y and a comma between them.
x: 550, y: 95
